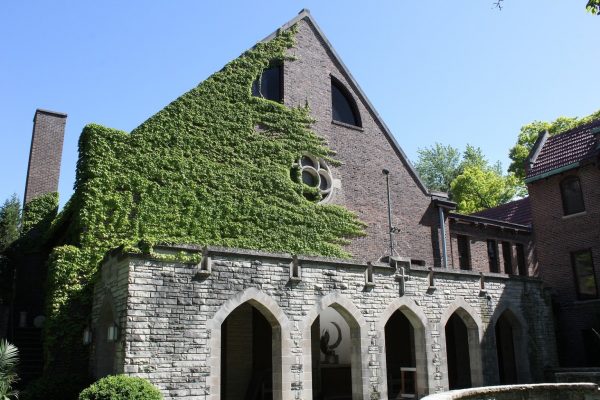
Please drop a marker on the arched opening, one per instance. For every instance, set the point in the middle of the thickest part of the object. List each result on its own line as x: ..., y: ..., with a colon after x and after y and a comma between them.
x: 505, y: 348
x: 457, y: 353
x: 401, y: 360
x: 336, y: 355
x: 105, y: 341
x: 250, y: 355
x: 343, y: 106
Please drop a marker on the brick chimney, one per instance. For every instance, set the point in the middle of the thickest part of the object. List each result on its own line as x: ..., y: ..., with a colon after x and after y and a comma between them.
x: 45, y: 153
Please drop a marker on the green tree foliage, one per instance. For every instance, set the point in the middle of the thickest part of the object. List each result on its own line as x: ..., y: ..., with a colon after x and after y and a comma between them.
x: 478, y: 188
x: 10, y: 216
x: 473, y: 183
x: 9, y: 358
x: 593, y: 6
x: 530, y: 132
x: 438, y: 166
x: 121, y: 387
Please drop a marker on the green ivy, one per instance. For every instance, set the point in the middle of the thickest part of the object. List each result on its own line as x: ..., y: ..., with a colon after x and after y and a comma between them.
x: 39, y: 213
x: 214, y: 167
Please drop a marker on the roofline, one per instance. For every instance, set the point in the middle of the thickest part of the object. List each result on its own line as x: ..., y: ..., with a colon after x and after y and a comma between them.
x: 305, y: 14
x: 55, y: 113
x: 490, y: 221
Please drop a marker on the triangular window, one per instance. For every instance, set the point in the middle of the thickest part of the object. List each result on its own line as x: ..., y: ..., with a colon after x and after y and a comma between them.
x: 343, y: 106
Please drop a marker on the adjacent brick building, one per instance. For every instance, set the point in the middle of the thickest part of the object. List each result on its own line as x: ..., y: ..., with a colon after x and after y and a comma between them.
x: 563, y: 179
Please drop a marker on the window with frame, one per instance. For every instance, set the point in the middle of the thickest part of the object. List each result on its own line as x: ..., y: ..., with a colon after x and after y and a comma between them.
x: 492, y: 250
x: 464, y: 252
x: 572, y: 197
x: 585, y: 277
x: 507, y: 256
x: 269, y: 85
x: 343, y: 106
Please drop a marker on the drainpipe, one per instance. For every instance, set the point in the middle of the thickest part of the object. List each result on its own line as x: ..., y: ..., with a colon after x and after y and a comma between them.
x: 389, y: 205
x: 443, y: 234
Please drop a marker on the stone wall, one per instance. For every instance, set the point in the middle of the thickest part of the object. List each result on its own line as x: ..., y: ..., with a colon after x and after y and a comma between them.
x: 171, y: 325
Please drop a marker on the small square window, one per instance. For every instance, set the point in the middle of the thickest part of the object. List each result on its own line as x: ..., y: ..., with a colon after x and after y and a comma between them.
x: 572, y: 197
x: 492, y: 249
x: 585, y: 278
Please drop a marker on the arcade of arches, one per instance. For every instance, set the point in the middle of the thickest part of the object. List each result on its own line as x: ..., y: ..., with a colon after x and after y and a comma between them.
x: 262, y: 335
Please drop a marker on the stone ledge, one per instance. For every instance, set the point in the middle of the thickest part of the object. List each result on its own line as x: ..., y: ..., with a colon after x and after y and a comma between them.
x: 533, y: 391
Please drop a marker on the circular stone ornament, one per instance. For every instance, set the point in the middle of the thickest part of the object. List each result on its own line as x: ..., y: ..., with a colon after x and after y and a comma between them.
x: 315, y: 173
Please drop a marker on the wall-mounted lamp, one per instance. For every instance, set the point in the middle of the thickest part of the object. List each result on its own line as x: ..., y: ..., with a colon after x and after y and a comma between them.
x: 87, y: 336
x: 113, y: 333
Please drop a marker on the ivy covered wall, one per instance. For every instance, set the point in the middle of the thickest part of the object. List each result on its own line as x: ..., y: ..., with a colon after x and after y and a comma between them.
x: 213, y: 167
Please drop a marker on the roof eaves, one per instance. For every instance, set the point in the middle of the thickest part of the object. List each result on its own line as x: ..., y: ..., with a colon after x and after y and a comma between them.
x: 305, y: 13
x: 555, y: 171
x: 490, y: 221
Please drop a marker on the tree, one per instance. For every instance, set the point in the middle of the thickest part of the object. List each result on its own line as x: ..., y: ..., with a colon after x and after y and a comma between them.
x: 530, y: 132
x: 10, y: 213
x: 477, y: 188
x: 472, y: 182
x: 438, y: 166
x: 592, y: 6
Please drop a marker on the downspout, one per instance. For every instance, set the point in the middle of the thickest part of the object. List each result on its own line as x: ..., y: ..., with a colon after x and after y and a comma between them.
x: 389, y: 207
x: 443, y: 236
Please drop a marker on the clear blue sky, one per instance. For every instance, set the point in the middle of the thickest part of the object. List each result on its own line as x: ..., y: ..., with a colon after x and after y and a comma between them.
x: 454, y: 72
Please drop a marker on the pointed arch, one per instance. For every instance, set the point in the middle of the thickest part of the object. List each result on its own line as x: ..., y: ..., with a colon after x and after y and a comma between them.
x: 280, y: 325
x: 419, y: 322
x: 359, y: 339
x: 512, y: 315
x: 470, y: 317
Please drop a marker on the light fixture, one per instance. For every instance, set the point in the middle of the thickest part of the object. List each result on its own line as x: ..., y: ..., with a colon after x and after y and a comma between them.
x: 87, y: 335
x: 113, y: 333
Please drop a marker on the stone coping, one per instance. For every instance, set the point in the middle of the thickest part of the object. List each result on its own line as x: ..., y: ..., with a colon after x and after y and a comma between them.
x: 507, y: 389
x: 121, y: 254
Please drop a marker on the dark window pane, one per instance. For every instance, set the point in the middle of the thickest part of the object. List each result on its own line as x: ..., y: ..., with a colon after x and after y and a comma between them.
x: 343, y: 108
x: 268, y: 86
x: 309, y: 178
x: 464, y: 252
x: 585, y: 278
x: 325, y: 184
x: 306, y: 161
x: 521, y: 262
x: 571, y: 196
x: 492, y: 249
x: 507, y: 255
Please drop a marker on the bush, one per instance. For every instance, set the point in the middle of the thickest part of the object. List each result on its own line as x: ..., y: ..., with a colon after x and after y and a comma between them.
x: 55, y: 387
x: 121, y: 387
x: 9, y: 358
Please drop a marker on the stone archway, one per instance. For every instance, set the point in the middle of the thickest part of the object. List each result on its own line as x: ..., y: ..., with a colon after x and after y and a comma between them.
x: 359, y: 364
x: 281, y: 358
x: 418, y: 321
x: 462, y: 323
x: 511, y: 345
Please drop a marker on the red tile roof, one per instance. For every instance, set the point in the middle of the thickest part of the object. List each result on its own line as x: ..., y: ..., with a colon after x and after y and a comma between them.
x: 516, y: 212
x: 567, y: 148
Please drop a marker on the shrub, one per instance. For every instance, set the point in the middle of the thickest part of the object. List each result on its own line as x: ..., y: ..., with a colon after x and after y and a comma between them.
x: 9, y: 357
x: 55, y: 387
x: 121, y: 387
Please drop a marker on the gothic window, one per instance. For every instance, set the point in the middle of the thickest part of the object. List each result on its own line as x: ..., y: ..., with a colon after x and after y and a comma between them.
x: 270, y: 84
x: 343, y: 107
x: 585, y: 278
x: 572, y: 198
